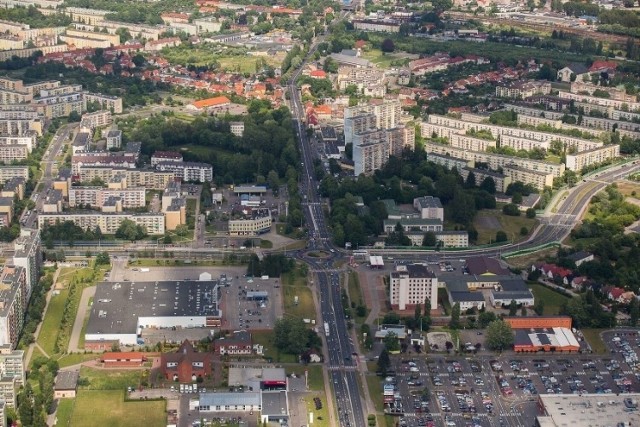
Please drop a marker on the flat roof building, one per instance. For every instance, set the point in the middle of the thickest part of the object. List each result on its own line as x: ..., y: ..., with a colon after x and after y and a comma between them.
x: 594, y: 410
x: 122, y: 309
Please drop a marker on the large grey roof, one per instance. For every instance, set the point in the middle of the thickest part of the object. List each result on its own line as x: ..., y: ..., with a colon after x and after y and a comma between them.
x: 118, y: 305
x: 274, y: 402
x: 223, y: 399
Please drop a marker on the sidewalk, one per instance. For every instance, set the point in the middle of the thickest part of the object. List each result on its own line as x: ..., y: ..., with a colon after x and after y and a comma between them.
x: 37, y: 332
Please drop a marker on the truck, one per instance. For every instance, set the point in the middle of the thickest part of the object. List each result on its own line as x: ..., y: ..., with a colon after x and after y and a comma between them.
x: 326, y: 329
x: 144, y: 270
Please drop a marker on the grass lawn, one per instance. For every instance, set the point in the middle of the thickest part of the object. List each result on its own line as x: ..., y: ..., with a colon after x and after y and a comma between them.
x: 382, y: 59
x: 484, y: 222
x: 316, y: 380
x: 51, y: 322
x: 84, y: 324
x: 627, y: 188
x: 552, y: 300
x: 293, y: 284
x: 524, y: 262
x: 595, y: 340
x: 35, y: 354
x: 108, y: 408
x: 375, y: 391
x: 266, y: 244
x: 64, y: 412
x: 266, y: 339
x: 100, y: 379
x: 70, y: 359
x: 247, y: 64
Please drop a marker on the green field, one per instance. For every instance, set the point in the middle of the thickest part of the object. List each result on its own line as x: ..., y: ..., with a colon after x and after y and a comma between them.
x: 552, y: 300
x: 101, y: 379
x: 293, y: 284
x: 375, y: 391
x: 51, y: 322
x: 595, y: 340
x: 383, y: 60
x: 108, y: 408
x: 316, y: 380
x: 70, y: 359
x: 511, y: 225
x: 266, y: 339
x: 64, y: 412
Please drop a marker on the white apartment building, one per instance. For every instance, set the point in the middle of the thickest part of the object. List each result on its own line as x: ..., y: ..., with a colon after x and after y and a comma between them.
x: 496, y: 161
x: 114, y: 139
x: 107, y: 102
x: 149, y: 179
x: 604, y: 102
x: 107, y: 222
x: 370, y: 151
x: 411, y: 285
x: 188, y: 171
x: 96, y: 196
x: 448, y: 161
x: 28, y: 140
x: 576, y: 162
x: 27, y: 254
x: 387, y: 113
x: 539, y: 180
x: 429, y: 207
x: 237, y: 128
x: 8, y: 172
x: 359, y: 77
x: 470, y: 143
x: 9, y: 153
x: 96, y: 119
x: 523, y: 89
x: 379, y: 26
x: 13, y: 295
x: 358, y: 124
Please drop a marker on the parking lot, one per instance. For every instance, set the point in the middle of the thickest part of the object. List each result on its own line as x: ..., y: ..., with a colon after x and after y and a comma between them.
x: 244, y: 307
x: 502, y: 391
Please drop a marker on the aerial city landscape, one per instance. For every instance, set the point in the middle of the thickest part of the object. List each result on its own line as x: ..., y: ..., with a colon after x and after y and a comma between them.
x: 361, y: 213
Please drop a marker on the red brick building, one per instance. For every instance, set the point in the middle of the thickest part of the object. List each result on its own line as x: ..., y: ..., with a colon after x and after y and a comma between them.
x: 186, y: 364
x: 123, y: 359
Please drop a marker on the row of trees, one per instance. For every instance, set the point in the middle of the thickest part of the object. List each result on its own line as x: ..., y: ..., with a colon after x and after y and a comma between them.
x: 272, y: 265
x: 292, y: 336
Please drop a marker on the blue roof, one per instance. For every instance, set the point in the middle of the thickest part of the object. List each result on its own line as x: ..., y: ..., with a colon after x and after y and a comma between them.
x: 222, y: 399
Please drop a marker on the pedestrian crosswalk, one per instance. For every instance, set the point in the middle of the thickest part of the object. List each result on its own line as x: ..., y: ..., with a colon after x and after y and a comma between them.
x: 341, y: 368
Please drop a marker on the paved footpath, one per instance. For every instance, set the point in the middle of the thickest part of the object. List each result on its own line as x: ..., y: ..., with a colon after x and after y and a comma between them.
x: 87, y: 293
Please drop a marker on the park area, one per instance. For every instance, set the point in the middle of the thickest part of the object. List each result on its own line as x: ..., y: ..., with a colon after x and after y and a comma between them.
x: 489, y: 222
x: 98, y: 408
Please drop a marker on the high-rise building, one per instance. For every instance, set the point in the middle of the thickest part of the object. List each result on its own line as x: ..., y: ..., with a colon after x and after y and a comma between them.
x: 411, y: 285
x: 28, y: 255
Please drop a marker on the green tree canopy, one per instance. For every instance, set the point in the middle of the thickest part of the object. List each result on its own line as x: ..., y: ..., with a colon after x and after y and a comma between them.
x: 499, y: 335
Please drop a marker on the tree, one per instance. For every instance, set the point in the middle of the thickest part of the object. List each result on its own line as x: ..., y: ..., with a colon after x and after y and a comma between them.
x: 384, y: 362
x: 429, y: 239
x: 74, y: 116
x: 387, y: 46
x: 523, y: 311
x: 538, y: 307
x: 129, y: 230
x: 391, y: 343
x: 454, y: 323
x: 485, y: 318
x: 501, y: 236
x: 530, y: 213
x: 182, y: 230
x: 499, y: 335
x: 511, y: 209
x: 489, y: 185
x: 103, y: 258
x: 440, y: 6
x: 291, y: 335
x: 513, y: 308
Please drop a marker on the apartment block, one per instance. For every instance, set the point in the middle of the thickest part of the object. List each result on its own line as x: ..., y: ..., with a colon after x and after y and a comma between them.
x: 378, y: 26
x: 257, y: 221
x: 448, y: 161
x: 359, y: 77
x: 28, y: 255
x: 539, y: 180
x: 470, y: 143
x: 9, y: 96
x: 411, y: 285
x: 114, y: 139
x: 60, y: 105
x: 614, y: 93
x: 82, y: 159
x: 14, y: 188
x: 387, y: 113
x: 603, y: 102
x: 462, y: 125
x: 534, y: 112
x: 207, y: 25
x: 237, y: 128
x: 453, y: 239
x: 518, y: 143
x: 358, y: 124
x: 36, y: 88
x: 27, y: 140
x: 60, y: 90
x: 8, y: 172
x: 97, y: 196
x: 370, y: 151
x: 429, y: 207
x: 496, y: 161
x: 576, y: 162
x: 147, y: 178
x: 10, y: 153
x: 501, y: 181
x: 523, y: 89
x: 107, y: 102
x: 108, y: 222
x: 412, y: 224
x: 86, y: 16
x: 75, y: 34
x: 13, y: 304
x: 13, y: 127
x: 165, y: 156
x: 188, y: 171
x: 9, y: 42
x: 96, y: 119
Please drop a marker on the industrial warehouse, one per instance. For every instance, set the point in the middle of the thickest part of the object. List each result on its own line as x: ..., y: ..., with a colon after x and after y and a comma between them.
x: 545, y: 333
x: 121, y: 310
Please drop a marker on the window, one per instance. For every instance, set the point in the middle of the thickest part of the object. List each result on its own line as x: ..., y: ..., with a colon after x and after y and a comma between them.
x: 197, y: 364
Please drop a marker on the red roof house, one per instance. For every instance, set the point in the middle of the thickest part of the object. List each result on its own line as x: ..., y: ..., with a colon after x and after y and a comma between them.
x: 186, y: 365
